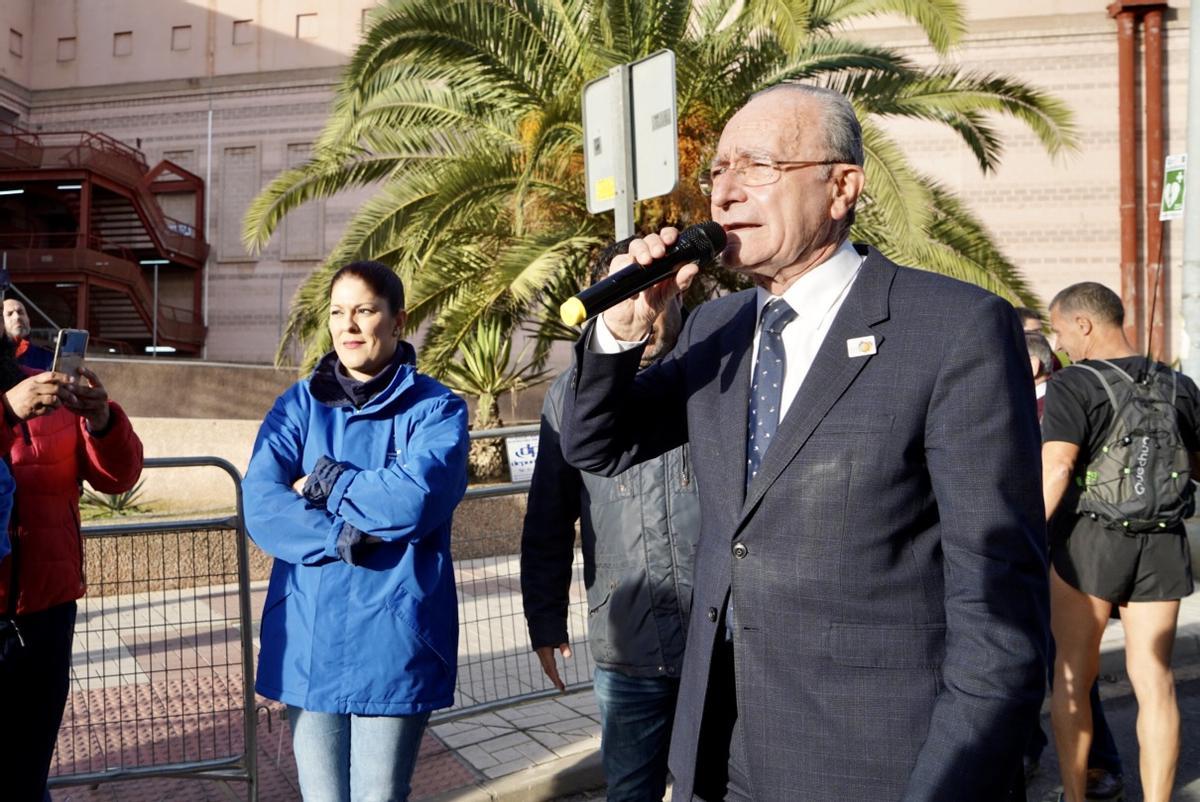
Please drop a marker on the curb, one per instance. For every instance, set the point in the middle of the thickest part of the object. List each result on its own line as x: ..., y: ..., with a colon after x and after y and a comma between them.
x: 566, y: 775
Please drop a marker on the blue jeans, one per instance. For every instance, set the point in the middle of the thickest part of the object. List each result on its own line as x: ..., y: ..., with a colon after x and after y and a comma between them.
x: 635, y: 732
x: 348, y: 758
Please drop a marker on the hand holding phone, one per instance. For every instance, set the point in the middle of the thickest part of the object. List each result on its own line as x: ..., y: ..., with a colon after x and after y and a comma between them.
x: 88, y: 399
x: 69, y: 351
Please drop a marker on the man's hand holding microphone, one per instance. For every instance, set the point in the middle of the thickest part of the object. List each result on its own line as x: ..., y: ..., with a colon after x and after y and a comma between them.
x: 635, y: 293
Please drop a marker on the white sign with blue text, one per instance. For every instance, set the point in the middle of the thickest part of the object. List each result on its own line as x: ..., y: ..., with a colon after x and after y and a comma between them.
x: 522, y: 454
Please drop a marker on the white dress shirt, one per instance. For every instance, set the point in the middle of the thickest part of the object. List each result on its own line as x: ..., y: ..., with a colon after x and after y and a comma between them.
x: 816, y: 296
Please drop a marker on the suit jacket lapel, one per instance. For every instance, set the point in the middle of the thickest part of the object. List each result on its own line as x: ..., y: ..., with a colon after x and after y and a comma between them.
x: 733, y: 399
x: 832, y: 371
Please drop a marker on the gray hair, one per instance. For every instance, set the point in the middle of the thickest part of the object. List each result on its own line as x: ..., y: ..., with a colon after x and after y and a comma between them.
x: 839, y: 123
x: 1039, y: 349
x: 1101, y: 303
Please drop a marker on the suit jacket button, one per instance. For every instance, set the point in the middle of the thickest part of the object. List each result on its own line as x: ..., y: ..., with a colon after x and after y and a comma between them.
x: 740, y: 550
x: 712, y: 614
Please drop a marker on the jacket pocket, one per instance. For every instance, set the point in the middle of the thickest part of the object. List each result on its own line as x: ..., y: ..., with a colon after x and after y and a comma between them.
x: 425, y: 639
x: 888, y: 646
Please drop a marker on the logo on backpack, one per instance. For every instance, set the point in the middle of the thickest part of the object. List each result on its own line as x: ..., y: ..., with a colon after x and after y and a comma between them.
x: 1140, y: 481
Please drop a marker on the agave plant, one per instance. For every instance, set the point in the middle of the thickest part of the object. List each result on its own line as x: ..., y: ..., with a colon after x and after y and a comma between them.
x: 486, y: 372
x: 465, y: 117
x: 130, y: 502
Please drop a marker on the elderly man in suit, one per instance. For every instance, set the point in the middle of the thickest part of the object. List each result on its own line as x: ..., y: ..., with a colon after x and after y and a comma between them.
x: 870, y: 588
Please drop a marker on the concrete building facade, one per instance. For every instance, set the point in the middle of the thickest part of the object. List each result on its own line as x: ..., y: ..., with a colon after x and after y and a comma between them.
x: 152, y: 73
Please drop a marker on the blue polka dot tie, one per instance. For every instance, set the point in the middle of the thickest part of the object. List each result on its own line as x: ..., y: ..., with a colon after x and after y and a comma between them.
x: 766, y: 385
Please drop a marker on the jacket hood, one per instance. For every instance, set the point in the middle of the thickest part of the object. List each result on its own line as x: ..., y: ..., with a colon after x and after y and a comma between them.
x: 327, y: 390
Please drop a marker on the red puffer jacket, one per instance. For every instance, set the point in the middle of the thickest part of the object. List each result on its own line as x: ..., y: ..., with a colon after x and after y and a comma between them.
x: 50, y: 456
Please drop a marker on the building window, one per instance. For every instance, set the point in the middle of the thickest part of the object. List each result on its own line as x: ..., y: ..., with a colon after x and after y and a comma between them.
x: 123, y: 43
x: 303, y: 228
x: 306, y: 26
x: 181, y: 37
x: 16, y: 43
x: 238, y: 183
x: 184, y: 158
x: 243, y: 31
x: 66, y: 48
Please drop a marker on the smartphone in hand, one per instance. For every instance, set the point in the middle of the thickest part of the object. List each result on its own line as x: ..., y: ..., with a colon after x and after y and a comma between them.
x: 69, y: 350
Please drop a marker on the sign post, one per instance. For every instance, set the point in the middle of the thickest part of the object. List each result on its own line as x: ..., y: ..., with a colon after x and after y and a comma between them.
x: 630, y: 148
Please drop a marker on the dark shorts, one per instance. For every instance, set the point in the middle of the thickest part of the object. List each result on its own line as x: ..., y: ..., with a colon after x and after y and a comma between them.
x: 1121, y: 568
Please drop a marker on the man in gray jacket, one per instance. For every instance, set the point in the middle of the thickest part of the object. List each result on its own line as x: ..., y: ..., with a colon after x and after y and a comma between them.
x: 639, y: 533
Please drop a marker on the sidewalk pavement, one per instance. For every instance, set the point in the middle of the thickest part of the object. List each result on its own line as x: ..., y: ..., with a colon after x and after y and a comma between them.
x: 538, y: 750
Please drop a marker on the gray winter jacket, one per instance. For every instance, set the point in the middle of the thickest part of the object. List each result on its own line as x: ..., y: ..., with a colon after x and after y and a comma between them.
x: 639, y: 533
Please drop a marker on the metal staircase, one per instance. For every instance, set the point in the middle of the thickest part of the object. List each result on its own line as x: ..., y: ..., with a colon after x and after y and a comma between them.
x: 84, y: 233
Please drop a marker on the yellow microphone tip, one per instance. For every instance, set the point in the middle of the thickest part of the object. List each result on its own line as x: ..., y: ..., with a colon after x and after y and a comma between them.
x: 572, y: 311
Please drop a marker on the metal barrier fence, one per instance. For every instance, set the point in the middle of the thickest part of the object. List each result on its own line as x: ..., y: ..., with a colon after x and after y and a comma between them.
x: 162, y: 670
x: 496, y: 667
x: 163, y: 653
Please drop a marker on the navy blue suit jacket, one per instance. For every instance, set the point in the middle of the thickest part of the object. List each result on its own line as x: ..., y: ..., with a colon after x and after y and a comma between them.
x: 890, y: 577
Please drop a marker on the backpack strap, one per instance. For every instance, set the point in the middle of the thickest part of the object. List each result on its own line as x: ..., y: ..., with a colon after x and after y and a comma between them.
x: 1112, y: 398
x: 1115, y: 367
x: 1174, y: 385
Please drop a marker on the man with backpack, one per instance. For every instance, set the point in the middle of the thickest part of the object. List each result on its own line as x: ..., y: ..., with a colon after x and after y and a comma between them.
x: 1120, y: 432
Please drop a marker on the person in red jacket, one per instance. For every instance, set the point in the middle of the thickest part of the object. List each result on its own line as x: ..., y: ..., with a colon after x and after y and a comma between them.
x: 57, y: 432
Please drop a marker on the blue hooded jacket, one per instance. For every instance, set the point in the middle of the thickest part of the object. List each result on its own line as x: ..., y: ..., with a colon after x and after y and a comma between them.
x: 379, y: 636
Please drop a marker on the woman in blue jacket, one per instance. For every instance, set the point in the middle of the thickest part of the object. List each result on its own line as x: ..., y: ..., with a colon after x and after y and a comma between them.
x: 354, y: 477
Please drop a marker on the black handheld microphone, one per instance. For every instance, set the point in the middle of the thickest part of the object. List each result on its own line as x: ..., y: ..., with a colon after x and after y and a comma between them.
x: 700, y: 243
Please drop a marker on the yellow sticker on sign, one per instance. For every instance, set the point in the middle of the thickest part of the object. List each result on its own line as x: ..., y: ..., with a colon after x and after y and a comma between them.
x: 606, y: 189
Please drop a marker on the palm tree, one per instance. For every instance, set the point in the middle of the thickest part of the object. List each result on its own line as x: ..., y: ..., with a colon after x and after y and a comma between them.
x: 465, y: 116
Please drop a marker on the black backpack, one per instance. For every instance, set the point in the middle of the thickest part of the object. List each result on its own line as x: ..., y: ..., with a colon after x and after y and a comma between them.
x: 1140, y: 479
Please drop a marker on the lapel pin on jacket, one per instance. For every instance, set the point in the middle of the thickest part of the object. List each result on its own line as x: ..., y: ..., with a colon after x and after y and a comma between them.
x: 860, y: 346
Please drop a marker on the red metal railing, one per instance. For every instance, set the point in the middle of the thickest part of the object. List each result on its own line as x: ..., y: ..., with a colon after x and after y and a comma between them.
x: 19, y: 148
x: 113, y: 159
x: 63, y: 253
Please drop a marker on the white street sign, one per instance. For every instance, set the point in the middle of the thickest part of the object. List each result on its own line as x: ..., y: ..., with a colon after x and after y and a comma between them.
x: 654, y: 139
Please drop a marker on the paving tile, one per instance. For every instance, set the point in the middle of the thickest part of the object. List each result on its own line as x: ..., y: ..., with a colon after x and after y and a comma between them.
x: 472, y: 736
x: 477, y: 756
x: 510, y: 755
x: 535, y: 752
x: 504, y: 741
x: 505, y: 769
x: 488, y: 719
x: 550, y: 740
x: 578, y: 724
x: 575, y: 747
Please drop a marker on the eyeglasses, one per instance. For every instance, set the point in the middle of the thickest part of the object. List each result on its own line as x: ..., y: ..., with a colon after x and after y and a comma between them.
x: 756, y: 173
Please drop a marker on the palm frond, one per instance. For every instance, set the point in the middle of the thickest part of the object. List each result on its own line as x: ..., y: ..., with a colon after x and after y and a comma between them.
x: 464, y: 117
x: 943, y: 21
